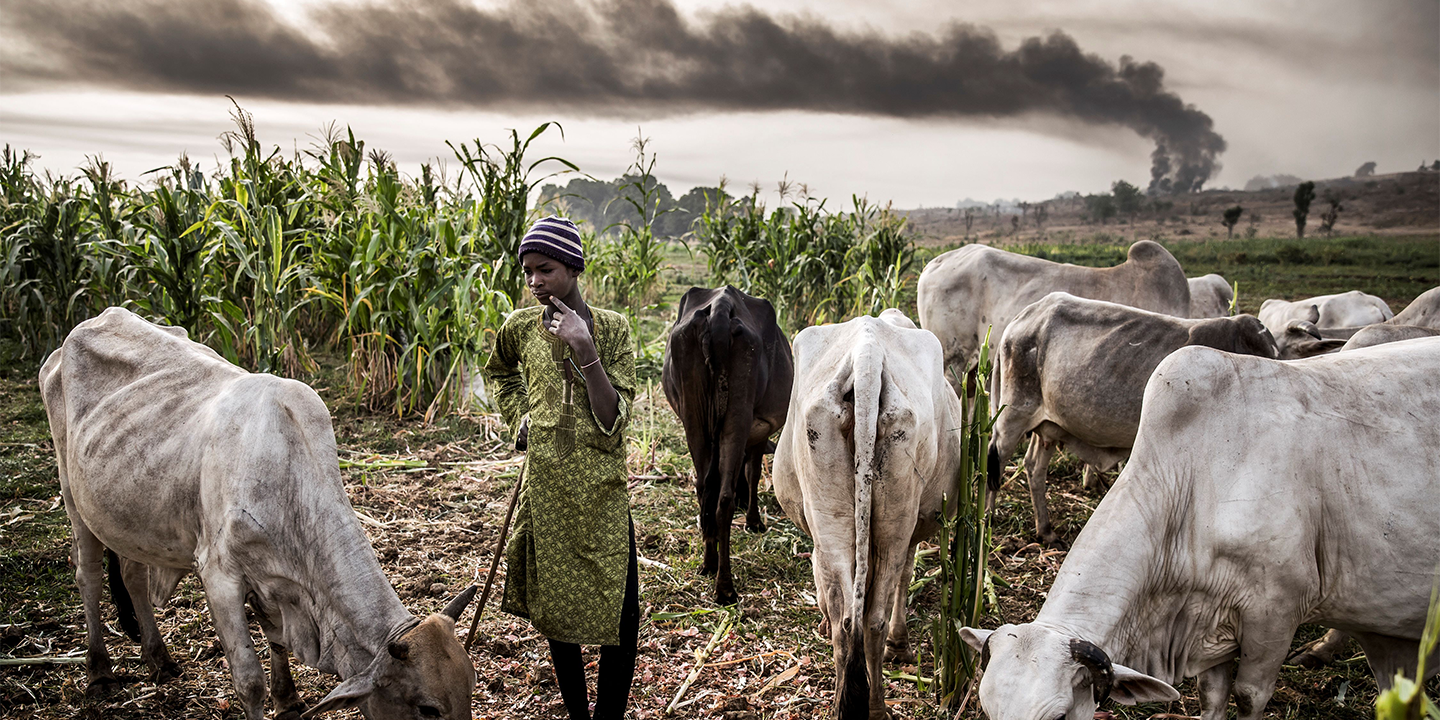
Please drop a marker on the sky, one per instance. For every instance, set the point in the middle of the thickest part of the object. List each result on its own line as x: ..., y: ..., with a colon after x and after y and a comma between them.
x: 919, y: 103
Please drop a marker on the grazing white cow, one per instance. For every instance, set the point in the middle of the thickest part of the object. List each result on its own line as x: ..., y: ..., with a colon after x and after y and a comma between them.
x: 1210, y: 296
x: 1073, y: 371
x: 965, y: 291
x: 868, y: 452
x: 1261, y: 495
x: 1423, y: 311
x: 178, y: 461
x: 1352, y: 309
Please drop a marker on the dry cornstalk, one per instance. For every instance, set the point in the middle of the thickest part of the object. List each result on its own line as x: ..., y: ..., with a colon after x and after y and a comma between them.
x: 700, y: 656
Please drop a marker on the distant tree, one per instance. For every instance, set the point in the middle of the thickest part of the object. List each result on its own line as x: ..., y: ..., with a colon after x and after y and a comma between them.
x: 1024, y: 210
x: 1328, y: 218
x: 1304, y: 195
x: 1231, y: 219
x: 1042, y: 211
x: 1100, y: 207
x: 969, y: 220
x: 1129, y: 200
x: 1014, y: 224
x: 1365, y: 170
x: 1435, y: 165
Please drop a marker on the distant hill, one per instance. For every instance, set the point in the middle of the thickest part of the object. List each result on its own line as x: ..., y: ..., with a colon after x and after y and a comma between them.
x: 1404, y: 203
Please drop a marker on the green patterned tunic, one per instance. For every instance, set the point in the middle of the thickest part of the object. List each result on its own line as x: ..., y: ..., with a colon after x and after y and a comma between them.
x: 570, y: 549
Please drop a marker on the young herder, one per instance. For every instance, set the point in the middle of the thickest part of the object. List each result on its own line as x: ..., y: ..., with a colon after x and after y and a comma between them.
x: 564, y: 376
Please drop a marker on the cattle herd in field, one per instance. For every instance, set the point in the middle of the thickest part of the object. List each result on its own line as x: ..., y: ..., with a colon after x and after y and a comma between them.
x: 1278, y: 470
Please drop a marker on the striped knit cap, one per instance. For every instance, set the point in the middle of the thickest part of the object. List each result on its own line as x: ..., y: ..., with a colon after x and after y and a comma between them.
x: 557, y: 238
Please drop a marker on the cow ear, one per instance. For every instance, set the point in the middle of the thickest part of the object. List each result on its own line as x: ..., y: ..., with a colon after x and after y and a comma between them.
x: 347, y: 695
x: 975, y: 638
x: 1130, y: 687
x: 1304, y: 326
x: 1313, y: 314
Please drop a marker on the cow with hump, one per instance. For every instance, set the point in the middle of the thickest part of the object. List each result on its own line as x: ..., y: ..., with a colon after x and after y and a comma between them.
x: 966, y: 291
x: 178, y: 461
x: 1073, y: 371
x: 1210, y: 296
x: 869, y: 451
x: 727, y: 375
x: 1261, y: 495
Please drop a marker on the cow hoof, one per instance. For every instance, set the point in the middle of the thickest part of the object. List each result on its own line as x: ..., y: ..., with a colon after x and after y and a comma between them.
x: 899, y: 653
x: 292, y: 712
x: 1055, y: 543
x: 1309, y: 659
x: 726, y: 598
x: 755, y: 527
x: 166, y: 672
x: 708, y: 569
x: 102, y: 686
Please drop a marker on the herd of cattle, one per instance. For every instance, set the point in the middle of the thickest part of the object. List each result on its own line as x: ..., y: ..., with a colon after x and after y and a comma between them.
x: 1264, y: 488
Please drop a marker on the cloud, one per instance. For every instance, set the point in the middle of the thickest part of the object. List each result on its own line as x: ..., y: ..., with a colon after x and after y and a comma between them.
x: 616, y: 57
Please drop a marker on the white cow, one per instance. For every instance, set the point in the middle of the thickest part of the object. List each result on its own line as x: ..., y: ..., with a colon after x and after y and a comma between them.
x: 1382, y: 333
x: 1210, y: 296
x: 965, y: 291
x: 1423, y: 311
x: 178, y: 461
x: 867, y: 453
x: 1352, y: 309
x: 1073, y: 371
x: 1261, y: 495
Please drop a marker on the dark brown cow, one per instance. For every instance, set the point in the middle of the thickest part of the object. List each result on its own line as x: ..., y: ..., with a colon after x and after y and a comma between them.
x: 727, y: 375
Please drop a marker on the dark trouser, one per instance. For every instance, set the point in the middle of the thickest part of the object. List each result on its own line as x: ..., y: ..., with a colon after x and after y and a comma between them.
x: 617, y: 662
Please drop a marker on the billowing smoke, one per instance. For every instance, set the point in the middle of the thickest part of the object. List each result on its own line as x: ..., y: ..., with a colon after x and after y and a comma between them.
x: 623, y: 57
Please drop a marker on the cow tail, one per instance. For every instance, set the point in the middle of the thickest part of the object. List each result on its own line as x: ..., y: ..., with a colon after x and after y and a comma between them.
x: 997, y: 384
x: 866, y: 374
x: 717, y: 337
x: 124, y: 606
x: 992, y: 470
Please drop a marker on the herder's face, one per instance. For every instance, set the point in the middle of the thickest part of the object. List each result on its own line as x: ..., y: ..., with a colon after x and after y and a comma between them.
x: 547, y: 277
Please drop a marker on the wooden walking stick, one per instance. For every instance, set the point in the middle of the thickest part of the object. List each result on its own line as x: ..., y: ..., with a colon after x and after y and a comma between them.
x: 495, y: 564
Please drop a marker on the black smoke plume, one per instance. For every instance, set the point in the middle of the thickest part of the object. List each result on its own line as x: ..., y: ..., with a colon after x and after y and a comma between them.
x: 621, y: 57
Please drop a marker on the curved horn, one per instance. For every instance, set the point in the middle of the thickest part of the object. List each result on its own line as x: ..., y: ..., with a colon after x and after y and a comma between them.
x: 1094, y: 659
x: 457, y: 606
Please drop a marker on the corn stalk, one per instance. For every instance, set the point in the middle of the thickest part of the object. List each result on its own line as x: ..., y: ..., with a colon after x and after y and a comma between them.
x: 964, y: 541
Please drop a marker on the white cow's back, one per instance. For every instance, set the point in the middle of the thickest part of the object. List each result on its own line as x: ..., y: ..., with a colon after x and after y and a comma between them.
x: 1348, y: 309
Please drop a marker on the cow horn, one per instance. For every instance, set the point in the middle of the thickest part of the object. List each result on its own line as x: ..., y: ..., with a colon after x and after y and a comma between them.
x: 461, y: 601
x: 1094, y: 659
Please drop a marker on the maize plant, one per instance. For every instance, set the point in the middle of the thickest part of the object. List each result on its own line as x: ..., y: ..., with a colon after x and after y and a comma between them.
x: 815, y: 266
x: 964, y: 541
x: 501, y: 213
